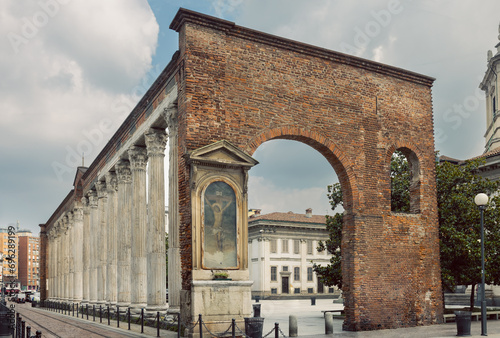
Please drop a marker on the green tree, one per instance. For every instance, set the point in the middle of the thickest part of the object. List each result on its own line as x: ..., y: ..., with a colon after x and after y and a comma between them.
x: 460, y: 229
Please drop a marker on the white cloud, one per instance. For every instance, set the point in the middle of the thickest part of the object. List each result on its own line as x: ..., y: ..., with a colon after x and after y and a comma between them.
x: 66, y: 68
x: 263, y: 194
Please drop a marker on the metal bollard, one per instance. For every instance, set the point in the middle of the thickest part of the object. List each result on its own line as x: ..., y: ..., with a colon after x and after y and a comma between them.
x: 233, y: 328
x: 100, y: 313
x: 23, y: 329
x: 117, y: 316
x: 28, y: 331
x: 93, y: 312
x: 108, y: 316
x: 157, y: 323
x: 142, y: 320
x: 128, y: 317
x: 201, y: 325
x: 38, y: 334
x: 87, y: 311
x: 276, y: 330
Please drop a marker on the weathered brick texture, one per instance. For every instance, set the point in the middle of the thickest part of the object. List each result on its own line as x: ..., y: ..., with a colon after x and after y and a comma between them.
x: 248, y: 87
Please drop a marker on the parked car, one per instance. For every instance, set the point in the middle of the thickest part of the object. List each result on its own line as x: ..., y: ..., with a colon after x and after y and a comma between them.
x: 20, y: 297
x: 35, y: 297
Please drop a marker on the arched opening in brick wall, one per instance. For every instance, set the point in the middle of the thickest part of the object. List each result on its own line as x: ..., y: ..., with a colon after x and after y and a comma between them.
x: 325, y: 151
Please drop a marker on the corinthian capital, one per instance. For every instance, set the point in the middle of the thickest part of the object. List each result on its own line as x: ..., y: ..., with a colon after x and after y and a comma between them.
x: 92, y: 198
x: 123, y: 173
x: 111, y: 182
x: 138, y: 158
x: 101, y: 189
x: 170, y: 116
x: 156, y: 140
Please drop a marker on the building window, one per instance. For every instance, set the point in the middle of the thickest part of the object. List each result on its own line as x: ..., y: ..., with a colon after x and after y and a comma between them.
x: 285, y: 268
x: 274, y: 273
x: 274, y: 291
x: 296, y: 274
x: 296, y: 290
x: 274, y: 248
x: 296, y: 246
x: 309, y: 247
x: 331, y: 290
x: 284, y: 247
x: 309, y: 290
x: 309, y: 274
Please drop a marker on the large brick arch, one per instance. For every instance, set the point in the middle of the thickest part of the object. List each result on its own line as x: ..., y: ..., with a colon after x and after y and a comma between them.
x: 247, y: 87
x: 326, y: 147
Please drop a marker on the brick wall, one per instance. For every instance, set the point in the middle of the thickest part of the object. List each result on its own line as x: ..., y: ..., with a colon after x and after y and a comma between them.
x: 248, y: 87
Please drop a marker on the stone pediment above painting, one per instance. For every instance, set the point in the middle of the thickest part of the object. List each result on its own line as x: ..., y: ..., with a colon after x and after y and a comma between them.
x: 221, y: 153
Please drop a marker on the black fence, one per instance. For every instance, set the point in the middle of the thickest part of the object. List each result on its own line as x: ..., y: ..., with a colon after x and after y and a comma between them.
x: 122, y: 316
x: 13, y: 325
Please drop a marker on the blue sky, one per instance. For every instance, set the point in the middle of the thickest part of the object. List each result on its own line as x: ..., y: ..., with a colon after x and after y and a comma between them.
x: 70, y: 71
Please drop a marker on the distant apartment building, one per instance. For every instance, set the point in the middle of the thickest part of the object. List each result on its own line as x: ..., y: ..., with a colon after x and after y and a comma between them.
x: 282, y: 250
x: 8, y: 275
x: 29, y: 260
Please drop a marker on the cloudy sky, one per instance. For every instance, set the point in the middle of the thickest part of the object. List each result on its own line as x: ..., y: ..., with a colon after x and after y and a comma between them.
x: 71, y: 70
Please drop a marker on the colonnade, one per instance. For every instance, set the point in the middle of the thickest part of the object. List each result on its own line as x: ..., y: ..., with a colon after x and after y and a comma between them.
x: 110, y: 248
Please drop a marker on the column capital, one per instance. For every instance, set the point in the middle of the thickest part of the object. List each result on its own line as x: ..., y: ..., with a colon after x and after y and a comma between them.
x: 111, y: 182
x: 170, y: 116
x: 156, y: 140
x: 123, y: 172
x: 78, y: 213
x: 85, y: 205
x: 92, y: 198
x: 138, y: 158
x: 101, y: 189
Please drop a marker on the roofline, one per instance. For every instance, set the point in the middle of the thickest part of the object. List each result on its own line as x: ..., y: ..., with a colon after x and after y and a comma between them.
x: 184, y: 16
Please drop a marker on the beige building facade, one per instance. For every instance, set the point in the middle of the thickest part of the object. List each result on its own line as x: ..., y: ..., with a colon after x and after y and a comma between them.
x: 283, y: 250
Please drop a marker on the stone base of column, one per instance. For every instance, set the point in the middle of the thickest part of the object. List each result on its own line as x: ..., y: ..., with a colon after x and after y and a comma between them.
x: 135, y: 308
x: 174, y: 310
x: 151, y: 310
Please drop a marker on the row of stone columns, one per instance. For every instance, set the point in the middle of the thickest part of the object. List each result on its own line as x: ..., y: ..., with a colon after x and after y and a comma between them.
x: 111, y: 248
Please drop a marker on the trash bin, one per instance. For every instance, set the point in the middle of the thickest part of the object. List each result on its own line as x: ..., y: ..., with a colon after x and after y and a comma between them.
x: 254, y: 326
x: 313, y: 300
x: 463, y: 320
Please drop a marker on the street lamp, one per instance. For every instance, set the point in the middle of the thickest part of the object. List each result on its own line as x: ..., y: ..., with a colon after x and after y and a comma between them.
x: 481, y: 200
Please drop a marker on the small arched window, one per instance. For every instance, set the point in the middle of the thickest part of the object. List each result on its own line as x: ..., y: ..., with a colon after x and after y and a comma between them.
x: 405, y: 182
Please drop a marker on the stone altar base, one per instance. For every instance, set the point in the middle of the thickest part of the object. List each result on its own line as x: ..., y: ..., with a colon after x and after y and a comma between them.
x: 218, y: 302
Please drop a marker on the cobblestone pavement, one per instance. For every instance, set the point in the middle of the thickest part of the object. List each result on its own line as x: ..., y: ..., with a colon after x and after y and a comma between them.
x: 55, y: 325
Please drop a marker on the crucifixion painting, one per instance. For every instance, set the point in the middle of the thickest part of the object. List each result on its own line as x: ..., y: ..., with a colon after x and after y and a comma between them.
x: 219, y: 226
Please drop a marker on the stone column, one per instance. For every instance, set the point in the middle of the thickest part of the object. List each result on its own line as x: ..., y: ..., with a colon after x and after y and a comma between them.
x: 156, y: 265
x: 174, y: 257
x: 85, y: 251
x: 111, y: 270
x: 78, y: 253
x: 93, y: 247
x: 69, y: 253
x: 124, y: 227
x: 101, y: 242
x: 56, y: 262
x: 138, y: 160
x: 50, y: 265
x: 65, y: 270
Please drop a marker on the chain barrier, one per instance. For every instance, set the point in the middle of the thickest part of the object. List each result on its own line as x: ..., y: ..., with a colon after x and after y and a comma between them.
x: 189, y: 328
x: 272, y: 330
x: 281, y: 332
x: 240, y: 331
x: 214, y: 334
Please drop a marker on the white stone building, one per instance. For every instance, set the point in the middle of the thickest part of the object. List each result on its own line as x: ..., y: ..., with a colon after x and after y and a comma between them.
x: 282, y: 250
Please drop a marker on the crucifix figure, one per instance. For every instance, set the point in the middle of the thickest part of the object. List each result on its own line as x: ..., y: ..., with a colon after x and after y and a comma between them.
x: 218, y: 205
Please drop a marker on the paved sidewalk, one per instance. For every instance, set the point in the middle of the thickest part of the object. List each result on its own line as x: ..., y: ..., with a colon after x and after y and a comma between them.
x: 53, y: 324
